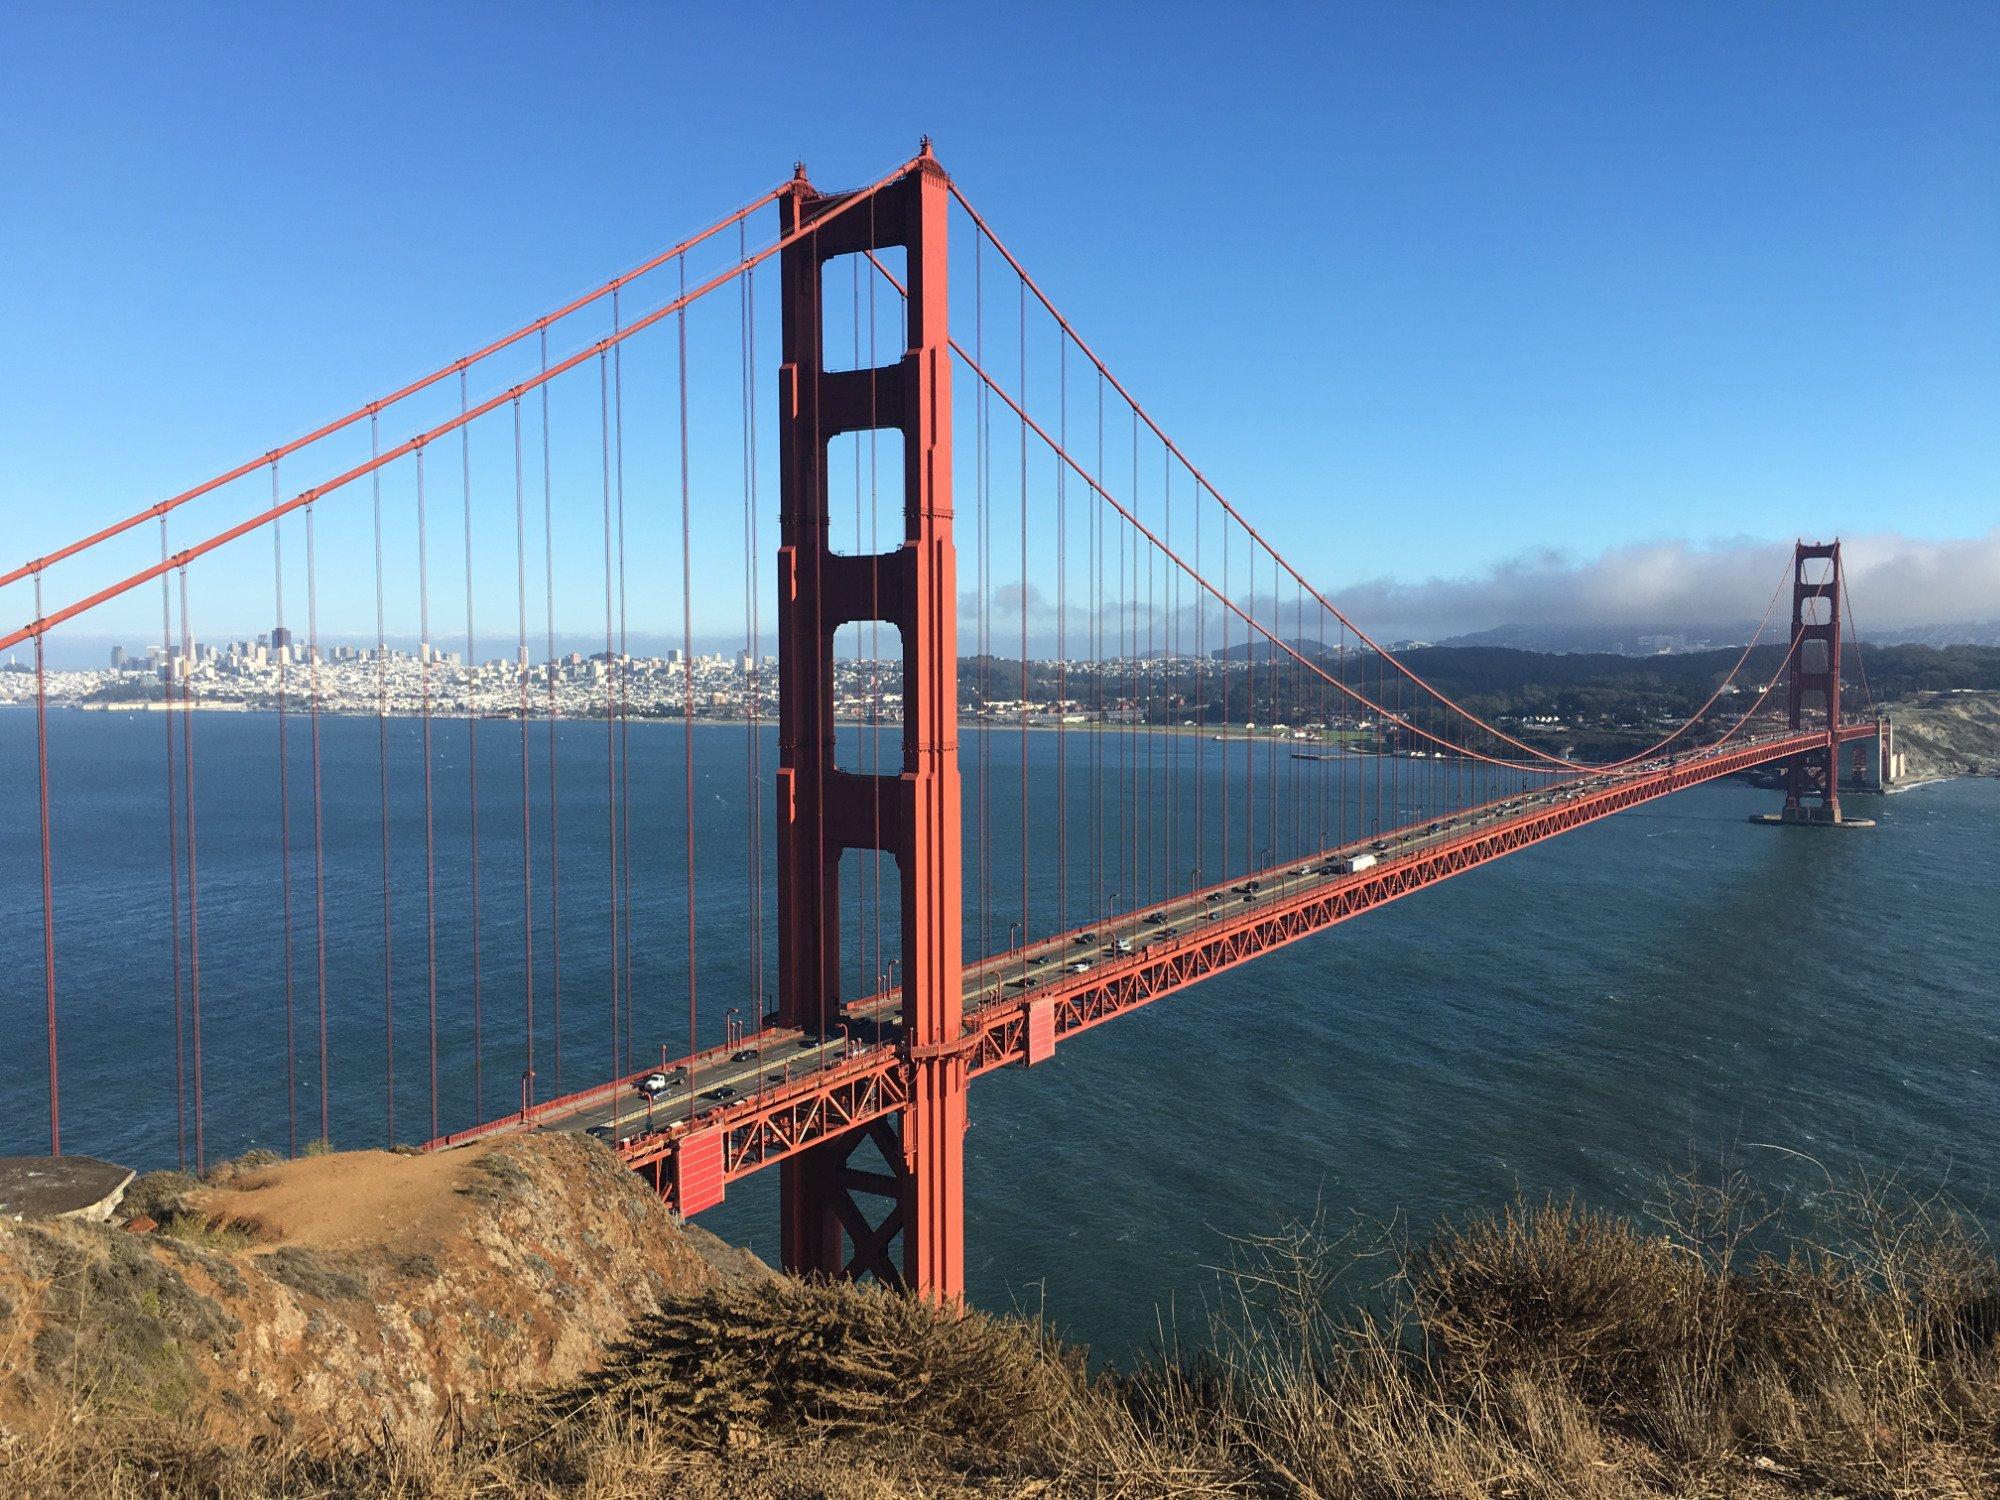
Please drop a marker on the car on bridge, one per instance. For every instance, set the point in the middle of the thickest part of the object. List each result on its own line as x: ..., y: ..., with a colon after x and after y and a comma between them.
x: 653, y: 1085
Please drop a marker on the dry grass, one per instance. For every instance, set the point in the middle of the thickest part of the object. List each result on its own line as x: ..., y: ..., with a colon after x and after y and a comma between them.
x: 1541, y: 1351
x: 1552, y: 1351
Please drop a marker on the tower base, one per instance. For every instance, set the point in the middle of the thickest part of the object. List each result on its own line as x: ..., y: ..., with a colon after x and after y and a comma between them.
x: 1811, y: 817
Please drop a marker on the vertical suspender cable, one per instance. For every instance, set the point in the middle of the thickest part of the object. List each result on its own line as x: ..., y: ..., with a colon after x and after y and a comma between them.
x: 611, y: 706
x: 174, y: 888
x: 1200, y: 713
x: 527, y: 830
x: 1062, y: 641
x: 193, y: 887
x: 48, y: 879
x: 319, y: 830
x: 1275, y: 682
x: 425, y: 654
x: 982, y: 498
x: 282, y: 652
x: 1347, y: 744
x: 472, y: 759
x: 549, y: 597
x: 687, y: 678
x: 1245, y: 861
x: 623, y: 677
x: 1223, y: 723
x: 382, y: 761
x: 1159, y: 644
x: 1023, y: 335
x: 1170, y: 658
x: 752, y: 640
x: 1138, y: 813
x: 1098, y: 668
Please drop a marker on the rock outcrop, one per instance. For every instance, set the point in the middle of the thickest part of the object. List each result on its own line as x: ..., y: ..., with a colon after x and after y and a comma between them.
x: 344, y: 1298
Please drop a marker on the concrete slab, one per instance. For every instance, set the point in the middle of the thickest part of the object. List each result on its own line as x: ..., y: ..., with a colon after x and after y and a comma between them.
x: 61, y: 1187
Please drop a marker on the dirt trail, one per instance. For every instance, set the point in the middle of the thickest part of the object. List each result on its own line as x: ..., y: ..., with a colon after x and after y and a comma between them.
x: 352, y: 1200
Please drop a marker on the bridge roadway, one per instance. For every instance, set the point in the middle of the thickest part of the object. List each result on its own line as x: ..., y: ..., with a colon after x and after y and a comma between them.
x: 771, y: 1093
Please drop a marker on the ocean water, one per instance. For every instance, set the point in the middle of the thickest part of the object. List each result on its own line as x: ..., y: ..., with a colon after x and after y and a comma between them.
x: 1576, y: 1019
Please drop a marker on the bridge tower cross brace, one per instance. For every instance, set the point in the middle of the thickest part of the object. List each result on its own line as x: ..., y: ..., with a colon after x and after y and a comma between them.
x: 823, y: 810
x: 1812, y: 781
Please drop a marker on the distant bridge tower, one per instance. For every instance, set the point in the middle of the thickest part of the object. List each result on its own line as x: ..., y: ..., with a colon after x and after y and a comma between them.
x: 822, y: 810
x: 1812, y: 783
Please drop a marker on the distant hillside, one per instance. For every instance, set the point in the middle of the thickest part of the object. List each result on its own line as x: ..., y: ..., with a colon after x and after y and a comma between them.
x: 1658, y: 639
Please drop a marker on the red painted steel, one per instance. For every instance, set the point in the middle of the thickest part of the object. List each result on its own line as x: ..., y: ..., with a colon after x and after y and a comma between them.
x: 829, y: 1105
x: 1812, y: 781
x: 782, y: 1122
x: 1040, y: 1043
x: 698, y: 1173
x: 823, y: 810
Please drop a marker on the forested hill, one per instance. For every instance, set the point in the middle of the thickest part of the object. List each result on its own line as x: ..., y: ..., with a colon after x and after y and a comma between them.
x: 1892, y: 672
x: 1492, y: 680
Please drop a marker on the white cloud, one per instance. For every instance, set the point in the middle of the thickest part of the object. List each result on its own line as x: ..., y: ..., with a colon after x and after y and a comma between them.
x: 1895, y: 581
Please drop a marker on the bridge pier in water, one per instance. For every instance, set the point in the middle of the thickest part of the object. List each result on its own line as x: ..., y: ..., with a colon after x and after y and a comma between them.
x: 918, y: 1194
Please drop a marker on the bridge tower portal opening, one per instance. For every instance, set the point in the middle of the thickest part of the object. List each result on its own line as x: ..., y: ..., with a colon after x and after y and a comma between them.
x: 840, y: 1216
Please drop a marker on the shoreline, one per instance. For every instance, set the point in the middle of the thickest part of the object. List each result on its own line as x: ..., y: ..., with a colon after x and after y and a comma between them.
x: 1321, y: 749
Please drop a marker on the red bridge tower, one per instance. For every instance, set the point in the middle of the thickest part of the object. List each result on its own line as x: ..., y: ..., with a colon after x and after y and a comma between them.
x: 1812, y: 782
x: 823, y: 810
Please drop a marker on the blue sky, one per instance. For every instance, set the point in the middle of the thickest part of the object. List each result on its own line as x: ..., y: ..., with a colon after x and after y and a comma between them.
x: 1426, y: 287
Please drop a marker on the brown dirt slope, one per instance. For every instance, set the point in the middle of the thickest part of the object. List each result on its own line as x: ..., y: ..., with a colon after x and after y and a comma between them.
x: 361, y: 1296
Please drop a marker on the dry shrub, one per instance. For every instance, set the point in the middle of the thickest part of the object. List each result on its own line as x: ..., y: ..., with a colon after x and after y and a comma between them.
x: 1540, y: 1351
x: 831, y: 1359
x: 1547, y: 1350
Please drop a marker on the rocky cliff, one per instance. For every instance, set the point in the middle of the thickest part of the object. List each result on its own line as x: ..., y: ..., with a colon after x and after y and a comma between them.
x: 360, y: 1296
x: 1949, y: 734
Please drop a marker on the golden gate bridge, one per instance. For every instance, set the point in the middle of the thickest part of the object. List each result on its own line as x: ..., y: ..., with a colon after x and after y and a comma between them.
x: 1149, y: 849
